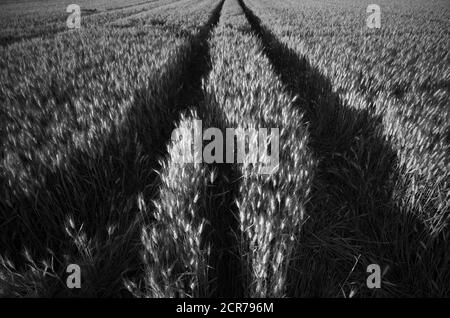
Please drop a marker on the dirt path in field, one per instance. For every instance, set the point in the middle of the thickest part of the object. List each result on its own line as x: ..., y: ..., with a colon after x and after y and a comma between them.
x: 353, y: 210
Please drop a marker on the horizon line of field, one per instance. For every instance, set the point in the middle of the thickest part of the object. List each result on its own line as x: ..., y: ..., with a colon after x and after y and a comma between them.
x: 49, y: 34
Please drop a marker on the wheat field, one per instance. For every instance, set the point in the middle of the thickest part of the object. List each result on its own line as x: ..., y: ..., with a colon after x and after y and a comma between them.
x: 91, y: 175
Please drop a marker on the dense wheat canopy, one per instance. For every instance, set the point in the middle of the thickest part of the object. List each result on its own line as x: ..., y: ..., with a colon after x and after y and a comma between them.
x: 91, y: 174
